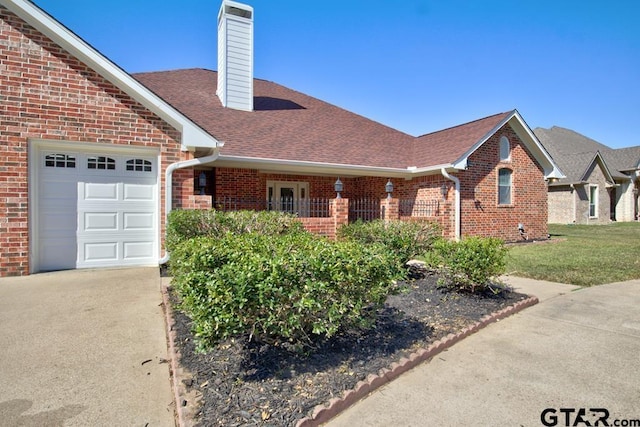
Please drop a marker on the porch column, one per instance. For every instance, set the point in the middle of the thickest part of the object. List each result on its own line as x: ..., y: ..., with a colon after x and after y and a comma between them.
x: 339, y: 211
x: 390, y: 209
x: 199, y: 202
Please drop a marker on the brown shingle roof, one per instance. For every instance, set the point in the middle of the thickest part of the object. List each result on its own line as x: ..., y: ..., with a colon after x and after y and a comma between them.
x: 285, y: 124
x: 290, y: 125
x: 449, y: 145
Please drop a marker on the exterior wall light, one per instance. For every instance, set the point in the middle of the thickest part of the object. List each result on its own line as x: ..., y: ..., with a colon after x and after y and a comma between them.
x: 338, y: 187
x: 389, y: 188
x: 202, y: 182
x: 444, y: 190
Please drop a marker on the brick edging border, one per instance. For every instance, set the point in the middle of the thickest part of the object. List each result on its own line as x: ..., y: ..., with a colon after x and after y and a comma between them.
x: 323, y: 413
x: 176, y: 373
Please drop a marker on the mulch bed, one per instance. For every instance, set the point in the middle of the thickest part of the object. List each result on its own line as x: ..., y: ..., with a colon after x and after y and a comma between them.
x: 247, y: 384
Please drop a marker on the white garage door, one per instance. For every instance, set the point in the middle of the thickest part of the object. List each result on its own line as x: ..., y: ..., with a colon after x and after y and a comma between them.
x: 96, y: 210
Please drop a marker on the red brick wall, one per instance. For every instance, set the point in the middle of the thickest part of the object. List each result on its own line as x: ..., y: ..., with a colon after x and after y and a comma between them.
x: 252, y: 184
x: 481, y: 214
x: 320, y: 226
x: 45, y: 93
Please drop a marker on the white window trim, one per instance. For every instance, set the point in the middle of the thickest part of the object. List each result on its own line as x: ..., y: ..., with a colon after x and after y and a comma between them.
x: 510, y: 187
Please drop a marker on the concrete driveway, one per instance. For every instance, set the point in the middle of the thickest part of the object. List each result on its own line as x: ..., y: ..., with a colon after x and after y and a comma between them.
x: 575, y: 349
x: 84, y: 348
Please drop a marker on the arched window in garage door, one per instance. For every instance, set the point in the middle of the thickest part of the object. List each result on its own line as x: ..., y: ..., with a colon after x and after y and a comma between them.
x: 139, y: 165
x: 101, y: 163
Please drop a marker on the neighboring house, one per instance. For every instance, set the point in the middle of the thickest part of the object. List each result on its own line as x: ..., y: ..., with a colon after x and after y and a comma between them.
x: 601, y: 183
x: 92, y: 158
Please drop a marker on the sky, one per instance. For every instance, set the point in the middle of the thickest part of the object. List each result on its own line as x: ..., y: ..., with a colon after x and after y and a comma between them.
x: 416, y: 65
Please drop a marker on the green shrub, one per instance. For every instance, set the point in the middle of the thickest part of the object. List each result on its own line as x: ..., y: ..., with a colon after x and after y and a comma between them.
x: 290, y: 288
x: 405, y: 239
x: 185, y: 224
x: 470, y: 265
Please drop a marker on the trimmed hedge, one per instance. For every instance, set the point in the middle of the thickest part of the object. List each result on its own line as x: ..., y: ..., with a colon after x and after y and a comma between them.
x: 290, y: 288
x: 186, y: 224
x: 471, y: 264
x: 405, y: 239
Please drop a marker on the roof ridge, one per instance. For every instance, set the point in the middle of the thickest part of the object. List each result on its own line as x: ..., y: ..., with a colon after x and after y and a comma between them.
x: 465, y: 124
x: 580, y: 135
x: 169, y: 71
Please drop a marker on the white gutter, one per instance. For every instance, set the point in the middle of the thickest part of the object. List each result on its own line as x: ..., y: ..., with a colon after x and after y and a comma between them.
x: 168, y: 183
x: 456, y: 181
x: 303, y: 166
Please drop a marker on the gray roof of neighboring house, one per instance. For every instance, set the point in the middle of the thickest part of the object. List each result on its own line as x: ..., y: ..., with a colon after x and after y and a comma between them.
x: 626, y: 159
x: 575, y: 153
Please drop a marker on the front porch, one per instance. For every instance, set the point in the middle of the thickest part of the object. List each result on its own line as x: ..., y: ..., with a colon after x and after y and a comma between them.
x: 324, y: 203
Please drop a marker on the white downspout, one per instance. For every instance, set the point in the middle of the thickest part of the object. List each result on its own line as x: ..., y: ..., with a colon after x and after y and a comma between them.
x: 456, y: 181
x: 574, y: 202
x: 168, y: 186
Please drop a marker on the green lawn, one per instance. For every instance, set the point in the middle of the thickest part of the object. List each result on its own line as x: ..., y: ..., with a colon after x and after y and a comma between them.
x: 582, y: 255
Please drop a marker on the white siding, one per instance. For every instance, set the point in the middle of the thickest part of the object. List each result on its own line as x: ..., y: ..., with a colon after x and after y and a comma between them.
x: 235, y: 61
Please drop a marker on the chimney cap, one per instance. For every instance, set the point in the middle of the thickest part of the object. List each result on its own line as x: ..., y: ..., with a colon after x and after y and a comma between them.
x: 236, y: 9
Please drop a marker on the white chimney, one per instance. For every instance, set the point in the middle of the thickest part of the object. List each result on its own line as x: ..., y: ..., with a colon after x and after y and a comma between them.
x: 235, y: 55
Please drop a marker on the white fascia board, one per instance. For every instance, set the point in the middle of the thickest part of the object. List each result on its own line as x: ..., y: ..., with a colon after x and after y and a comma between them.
x: 192, y: 135
x: 462, y: 161
x: 300, y: 166
x: 551, y: 170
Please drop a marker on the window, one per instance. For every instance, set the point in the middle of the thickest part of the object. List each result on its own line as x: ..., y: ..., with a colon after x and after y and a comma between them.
x: 102, y: 163
x: 504, y: 187
x: 59, y: 161
x: 593, y: 201
x: 138, y: 165
x: 505, y: 149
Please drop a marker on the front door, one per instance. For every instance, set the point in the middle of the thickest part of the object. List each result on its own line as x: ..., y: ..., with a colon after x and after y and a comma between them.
x: 288, y: 196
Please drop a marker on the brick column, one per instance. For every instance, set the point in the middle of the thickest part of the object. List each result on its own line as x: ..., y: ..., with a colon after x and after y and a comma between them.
x: 447, y: 219
x: 339, y: 211
x: 200, y: 202
x: 390, y: 209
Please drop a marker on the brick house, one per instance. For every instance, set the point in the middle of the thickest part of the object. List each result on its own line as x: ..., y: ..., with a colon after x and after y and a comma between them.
x: 92, y: 158
x: 601, y: 183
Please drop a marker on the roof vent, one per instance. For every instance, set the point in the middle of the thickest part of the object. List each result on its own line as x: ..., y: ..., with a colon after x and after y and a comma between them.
x: 235, y: 55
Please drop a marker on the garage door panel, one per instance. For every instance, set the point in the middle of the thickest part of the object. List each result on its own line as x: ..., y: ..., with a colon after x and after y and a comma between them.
x: 100, y: 221
x: 136, y: 192
x: 100, y: 191
x: 138, y: 220
x: 137, y: 250
x: 100, y: 251
x: 95, y: 251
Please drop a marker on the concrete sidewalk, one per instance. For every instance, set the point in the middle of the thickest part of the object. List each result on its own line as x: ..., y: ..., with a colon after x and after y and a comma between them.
x: 84, y: 348
x: 575, y: 349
